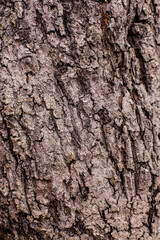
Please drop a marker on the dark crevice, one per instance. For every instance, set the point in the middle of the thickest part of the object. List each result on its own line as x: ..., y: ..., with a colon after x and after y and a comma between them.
x: 66, y: 21
x: 136, y: 167
x: 23, y: 224
x: 123, y: 182
x: 112, y: 185
x: 52, y: 122
x: 54, y: 209
x: 138, y: 20
x: 103, y: 216
x: 152, y: 211
x: 84, y: 190
x: 25, y: 190
x: 61, y: 69
x: 82, y: 80
x: 41, y: 23
x: 76, y: 138
x: 78, y: 228
x: 134, y: 40
x: 89, y: 170
x: 10, y: 144
x: 146, y: 113
x: 143, y: 77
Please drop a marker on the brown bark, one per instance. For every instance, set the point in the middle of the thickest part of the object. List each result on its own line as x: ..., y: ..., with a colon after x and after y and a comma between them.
x: 80, y: 120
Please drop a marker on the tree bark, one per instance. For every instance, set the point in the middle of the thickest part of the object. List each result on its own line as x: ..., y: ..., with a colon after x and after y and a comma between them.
x: 80, y: 120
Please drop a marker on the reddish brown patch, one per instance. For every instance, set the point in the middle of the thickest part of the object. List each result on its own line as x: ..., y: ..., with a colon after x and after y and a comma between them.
x: 104, y: 21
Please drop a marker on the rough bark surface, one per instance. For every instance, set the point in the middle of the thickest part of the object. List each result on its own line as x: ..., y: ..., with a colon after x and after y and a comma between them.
x: 80, y: 120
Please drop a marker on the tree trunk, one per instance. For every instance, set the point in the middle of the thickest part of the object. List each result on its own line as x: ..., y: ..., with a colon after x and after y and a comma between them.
x: 80, y: 120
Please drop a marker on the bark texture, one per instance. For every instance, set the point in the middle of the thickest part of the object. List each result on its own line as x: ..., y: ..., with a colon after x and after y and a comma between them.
x: 80, y: 120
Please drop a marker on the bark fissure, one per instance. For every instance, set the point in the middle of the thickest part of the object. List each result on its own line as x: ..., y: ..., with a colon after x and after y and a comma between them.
x: 79, y: 120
